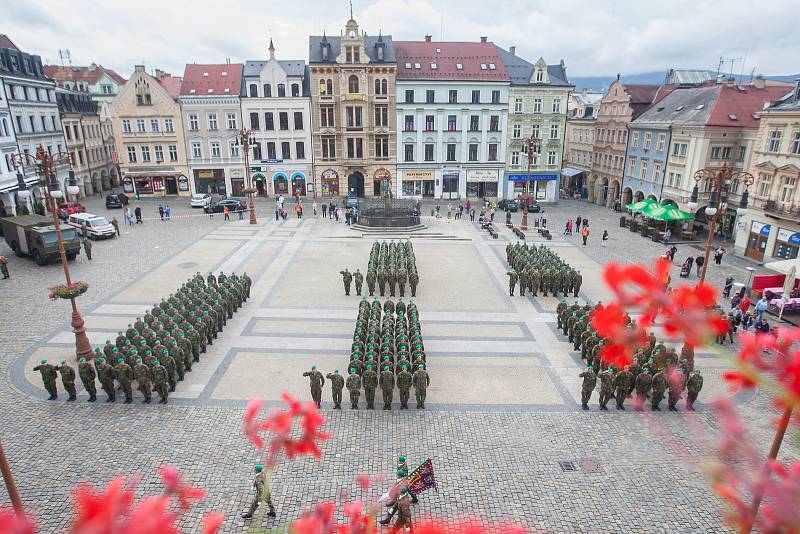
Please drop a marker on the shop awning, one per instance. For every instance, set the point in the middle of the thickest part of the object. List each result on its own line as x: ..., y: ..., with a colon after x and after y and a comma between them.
x: 666, y: 213
x: 145, y: 174
x: 641, y: 205
x: 571, y: 171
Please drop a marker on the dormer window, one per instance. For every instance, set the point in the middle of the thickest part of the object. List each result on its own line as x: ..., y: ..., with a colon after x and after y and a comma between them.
x: 205, y: 75
x: 192, y: 91
x: 433, y: 66
x: 224, y: 73
x: 210, y: 91
x: 417, y: 66
x: 380, y: 53
x: 324, y: 53
x: 492, y: 66
x: 352, y: 34
x: 227, y: 89
x: 539, y: 76
x: 483, y: 66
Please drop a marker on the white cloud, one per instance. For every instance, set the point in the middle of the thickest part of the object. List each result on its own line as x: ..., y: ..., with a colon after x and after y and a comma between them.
x: 593, y: 37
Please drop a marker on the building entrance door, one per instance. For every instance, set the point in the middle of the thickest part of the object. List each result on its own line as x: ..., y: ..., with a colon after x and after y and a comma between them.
x: 450, y: 187
x: 756, y: 246
x: 171, y: 185
x: 355, y: 185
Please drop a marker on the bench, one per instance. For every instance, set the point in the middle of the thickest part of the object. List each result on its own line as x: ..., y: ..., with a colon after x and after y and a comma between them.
x: 520, y: 234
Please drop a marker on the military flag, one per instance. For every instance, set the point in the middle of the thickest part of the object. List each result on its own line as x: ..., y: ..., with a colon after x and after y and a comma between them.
x: 422, y: 478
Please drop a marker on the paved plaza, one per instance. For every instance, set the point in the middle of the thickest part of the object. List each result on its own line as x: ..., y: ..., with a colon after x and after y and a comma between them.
x: 503, y: 417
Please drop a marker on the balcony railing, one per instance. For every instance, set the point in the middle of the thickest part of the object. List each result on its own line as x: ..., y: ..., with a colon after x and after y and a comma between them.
x: 780, y: 209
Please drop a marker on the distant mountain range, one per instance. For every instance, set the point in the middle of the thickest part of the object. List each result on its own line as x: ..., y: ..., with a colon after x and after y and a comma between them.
x: 601, y: 83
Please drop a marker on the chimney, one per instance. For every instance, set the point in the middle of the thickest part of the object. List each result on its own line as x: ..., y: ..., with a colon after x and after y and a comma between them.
x: 138, y: 68
x: 428, y: 38
x: 720, y: 78
x: 797, y: 90
x: 759, y: 82
x: 512, y: 50
x: 484, y: 38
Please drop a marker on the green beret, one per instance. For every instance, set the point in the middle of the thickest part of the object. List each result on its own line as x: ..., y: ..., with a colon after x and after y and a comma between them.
x: 42, y: 361
x: 155, y: 362
x: 102, y: 360
x: 120, y: 360
x: 138, y: 360
x: 259, y: 467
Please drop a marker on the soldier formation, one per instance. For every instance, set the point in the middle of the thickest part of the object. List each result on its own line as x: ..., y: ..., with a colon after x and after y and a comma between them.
x: 156, y: 350
x: 392, y: 266
x: 540, y: 270
x: 387, y: 351
x: 656, y: 369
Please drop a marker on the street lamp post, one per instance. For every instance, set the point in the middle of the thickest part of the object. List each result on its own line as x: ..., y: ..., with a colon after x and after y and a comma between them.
x: 45, y: 167
x: 530, y: 145
x: 245, y: 138
x: 720, y: 180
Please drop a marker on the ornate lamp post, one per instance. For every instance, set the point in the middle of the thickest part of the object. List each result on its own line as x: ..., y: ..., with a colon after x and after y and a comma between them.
x: 720, y: 180
x: 45, y: 168
x: 245, y: 138
x: 530, y: 144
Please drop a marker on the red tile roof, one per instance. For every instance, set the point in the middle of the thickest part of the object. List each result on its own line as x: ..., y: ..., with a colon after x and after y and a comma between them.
x: 171, y: 83
x: 90, y: 74
x: 470, y: 55
x: 199, y: 79
x: 5, y: 42
x: 742, y: 102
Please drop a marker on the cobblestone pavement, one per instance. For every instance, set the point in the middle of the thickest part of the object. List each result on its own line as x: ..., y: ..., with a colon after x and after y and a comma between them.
x: 503, y: 407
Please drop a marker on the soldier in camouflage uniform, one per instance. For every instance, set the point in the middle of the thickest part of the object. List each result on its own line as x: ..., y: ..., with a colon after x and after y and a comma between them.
x: 354, y: 387
x: 421, y: 381
x: 359, y: 280
x: 693, y: 387
x: 404, y: 381
x: 387, y: 386
x: 622, y: 384
x: 512, y: 282
x: 337, y: 384
x: 589, y: 382
x: 142, y: 374
x: 160, y: 378
x: 49, y: 375
x: 87, y: 374
x: 124, y: 375
x: 317, y: 381
x: 106, y: 375
x: 659, y: 387
x: 606, y: 387
x: 67, y: 379
x: 370, y: 380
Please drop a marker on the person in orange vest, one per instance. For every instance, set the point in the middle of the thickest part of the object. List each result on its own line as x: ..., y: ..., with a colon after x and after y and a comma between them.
x: 585, y: 234
x: 228, y: 218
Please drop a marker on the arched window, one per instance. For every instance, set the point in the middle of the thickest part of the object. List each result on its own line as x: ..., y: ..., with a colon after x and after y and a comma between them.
x: 295, y: 89
x: 253, y: 90
x: 281, y: 89
x: 377, y: 86
x: 352, y: 84
x: 384, y: 87
x: 329, y: 86
x: 267, y: 90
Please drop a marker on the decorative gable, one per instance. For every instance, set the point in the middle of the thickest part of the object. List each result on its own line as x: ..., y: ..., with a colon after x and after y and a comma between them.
x: 540, y: 74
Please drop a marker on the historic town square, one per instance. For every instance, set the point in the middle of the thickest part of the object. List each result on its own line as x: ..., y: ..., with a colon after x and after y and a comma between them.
x: 399, y: 266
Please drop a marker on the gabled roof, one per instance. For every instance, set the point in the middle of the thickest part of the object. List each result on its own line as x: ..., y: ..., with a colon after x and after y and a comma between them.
x: 171, y: 83
x: 5, y: 42
x: 742, y: 102
x: 90, y: 74
x: 520, y: 71
x: 218, y: 79
x: 315, y: 50
x: 293, y: 67
x: 689, y: 106
x: 790, y: 102
x: 439, y: 61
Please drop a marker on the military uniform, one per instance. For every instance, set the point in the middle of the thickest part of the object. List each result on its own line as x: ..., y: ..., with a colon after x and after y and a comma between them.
x: 142, y: 374
x: 337, y: 384
x: 421, y: 381
x: 49, y: 375
x: 387, y: 386
x: 67, y: 379
x: 106, y: 375
x: 370, y: 380
x: 124, y: 375
x: 359, y: 280
x: 659, y: 387
x: 160, y: 378
x: 693, y: 386
x: 87, y: 374
x: 354, y: 387
x: 589, y: 382
x: 317, y: 381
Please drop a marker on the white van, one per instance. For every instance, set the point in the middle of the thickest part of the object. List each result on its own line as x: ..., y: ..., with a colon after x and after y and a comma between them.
x: 93, y: 226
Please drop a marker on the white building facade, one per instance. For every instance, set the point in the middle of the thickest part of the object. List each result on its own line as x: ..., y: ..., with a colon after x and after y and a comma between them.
x: 8, y: 146
x: 212, y: 118
x: 452, y: 111
x: 276, y: 105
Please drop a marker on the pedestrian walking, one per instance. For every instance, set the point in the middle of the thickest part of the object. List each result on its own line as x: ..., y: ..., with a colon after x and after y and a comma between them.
x: 761, y: 307
x: 314, y: 208
x: 699, y: 261
x: 585, y: 234
x: 472, y: 215
x: 87, y: 247
x: 115, y: 224
x: 262, y: 494
x: 605, y: 238
x: 240, y: 211
x: 138, y: 213
x: 449, y: 211
x: 726, y: 291
x: 126, y: 213
x: 226, y: 213
x: 718, y: 253
x: 4, y: 267
x: 161, y: 211
x: 167, y: 212
x: 324, y: 210
x: 298, y: 210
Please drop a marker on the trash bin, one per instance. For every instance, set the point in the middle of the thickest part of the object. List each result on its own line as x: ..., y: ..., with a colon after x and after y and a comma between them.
x: 622, y: 222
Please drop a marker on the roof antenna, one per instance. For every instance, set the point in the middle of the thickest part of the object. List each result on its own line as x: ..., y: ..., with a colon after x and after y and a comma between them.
x: 351, y: 9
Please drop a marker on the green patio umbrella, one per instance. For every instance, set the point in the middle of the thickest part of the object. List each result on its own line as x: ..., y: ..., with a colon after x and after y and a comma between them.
x: 666, y: 213
x: 642, y: 204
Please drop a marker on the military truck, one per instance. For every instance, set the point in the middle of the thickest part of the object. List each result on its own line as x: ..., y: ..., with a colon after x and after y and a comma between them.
x: 35, y: 236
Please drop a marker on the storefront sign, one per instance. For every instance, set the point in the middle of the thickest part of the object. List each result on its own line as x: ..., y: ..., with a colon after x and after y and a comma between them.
x: 237, y: 173
x: 354, y: 96
x: 271, y: 161
x: 418, y: 175
x: 533, y: 177
x: 183, y: 183
x: 204, y: 173
x: 329, y: 174
x: 760, y: 228
x: 788, y: 236
x: 482, y: 175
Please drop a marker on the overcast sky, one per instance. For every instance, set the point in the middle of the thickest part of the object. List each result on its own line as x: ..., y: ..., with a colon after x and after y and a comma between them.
x: 594, y: 37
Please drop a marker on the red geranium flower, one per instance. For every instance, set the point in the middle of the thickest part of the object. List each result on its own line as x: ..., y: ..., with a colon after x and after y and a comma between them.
x: 689, y: 314
x: 610, y: 322
x: 175, y: 486
x: 637, y: 287
x: 12, y: 522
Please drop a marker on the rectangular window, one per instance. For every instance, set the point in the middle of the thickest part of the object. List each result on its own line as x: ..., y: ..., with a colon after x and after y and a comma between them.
x: 283, y: 120
x: 429, y: 96
x: 154, y: 126
x: 353, y: 114
x: 452, y: 96
x: 429, y: 151
x: 429, y: 123
x: 408, y: 152
x: 716, y: 152
x: 643, y: 170
x: 518, y: 105
x: 231, y: 121
x: 299, y: 150
x: 298, y: 120
x: 516, y: 131
x: 216, y: 151
x: 348, y: 56
x: 126, y: 126
x: 494, y: 123
x: 451, y: 123
x: 726, y: 152
x: 355, y: 148
x: 554, y: 131
x: 631, y: 166
x: 476, y: 96
x: 168, y: 127
x: 556, y: 105
x: 451, y: 152
x: 234, y: 148
x: 131, y: 154
x: 537, y: 105
x: 159, y: 150
x: 774, y: 141
x: 635, y: 140
x: 474, y: 123
x: 285, y: 153
x: 495, y: 97
x: 515, y: 157
x: 382, y: 147
x: 328, y: 148
x: 660, y: 144
x: 197, y: 149
x: 535, y: 131
x: 254, y: 121
x: 409, y: 96
x: 212, y: 121
x: 551, y: 157
x: 193, y: 123
x: 173, y: 153
x: 743, y: 152
x: 271, y: 151
x: 140, y: 125
x: 472, y: 152
x: 648, y: 139
x: 409, y: 123
x: 795, y: 145
x: 657, y: 172
x: 381, y: 116
x: 679, y: 150
x: 326, y: 115
x: 257, y: 151
x: 269, y: 121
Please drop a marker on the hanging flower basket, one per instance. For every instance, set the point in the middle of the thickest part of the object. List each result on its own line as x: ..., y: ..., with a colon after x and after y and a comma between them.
x: 64, y: 291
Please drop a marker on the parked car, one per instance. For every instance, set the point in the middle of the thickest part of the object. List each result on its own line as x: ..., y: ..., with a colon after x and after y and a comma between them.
x: 116, y: 201
x: 231, y: 203
x: 65, y: 209
x: 534, y: 207
x: 92, y: 226
x: 200, y: 200
x: 508, y: 204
